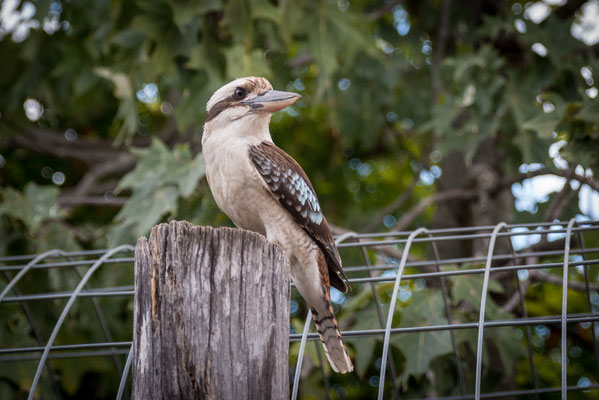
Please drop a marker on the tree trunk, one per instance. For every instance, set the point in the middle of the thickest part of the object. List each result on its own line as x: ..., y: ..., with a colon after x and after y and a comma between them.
x: 211, y: 315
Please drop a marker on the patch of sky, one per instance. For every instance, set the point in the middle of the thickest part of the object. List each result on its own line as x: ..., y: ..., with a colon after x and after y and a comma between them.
x: 535, y: 190
x: 436, y: 156
x: 523, y: 274
x: 343, y: 5
x: 536, y: 12
x: 523, y: 241
x: 517, y: 8
x: 436, y: 171
x: 587, y: 74
x: 391, y: 116
x: 427, y: 47
x: 583, y: 382
x: 554, y: 149
x: 416, y: 166
x: 389, y: 274
x: 293, y: 307
x: 364, y: 169
x: 405, y: 295
x: 148, y: 93
x: 33, y: 109
x: 389, y: 221
x: 540, y: 49
x: 374, y: 381
x: 291, y: 111
x: 401, y: 21
x: 555, y: 236
x: 344, y: 84
x: 336, y: 296
x: 383, y: 45
x: 407, y: 123
x: 58, y: 178
x: 542, y: 331
x: 586, y: 25
x: 70, y: 135
x: 520, y: 25
x: 426, y: 177
x: 299, y: 85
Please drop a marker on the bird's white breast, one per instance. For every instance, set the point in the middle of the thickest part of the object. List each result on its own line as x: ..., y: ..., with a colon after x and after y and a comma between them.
x: 233, y: 181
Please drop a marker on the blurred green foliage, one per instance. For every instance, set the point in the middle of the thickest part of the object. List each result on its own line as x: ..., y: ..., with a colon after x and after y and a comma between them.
x: 101, y: 109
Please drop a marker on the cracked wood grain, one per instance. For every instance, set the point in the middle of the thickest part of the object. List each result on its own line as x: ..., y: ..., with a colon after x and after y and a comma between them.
x: 211, y: 315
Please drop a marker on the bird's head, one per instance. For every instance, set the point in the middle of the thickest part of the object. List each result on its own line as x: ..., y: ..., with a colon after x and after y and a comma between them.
x: 245, y: 105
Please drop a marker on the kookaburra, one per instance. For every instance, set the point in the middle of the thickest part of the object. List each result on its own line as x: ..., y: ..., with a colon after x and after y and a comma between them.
x: 262, y: 189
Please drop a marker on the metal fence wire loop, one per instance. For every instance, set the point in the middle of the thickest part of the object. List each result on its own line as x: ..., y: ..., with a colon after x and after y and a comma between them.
x: 393, y: 301
x: 65, y: 311
x: 531, y: 262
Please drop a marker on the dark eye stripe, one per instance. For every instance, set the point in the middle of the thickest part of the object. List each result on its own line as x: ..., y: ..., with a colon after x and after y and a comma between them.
x: 249, y: 86
x: 218, y: 108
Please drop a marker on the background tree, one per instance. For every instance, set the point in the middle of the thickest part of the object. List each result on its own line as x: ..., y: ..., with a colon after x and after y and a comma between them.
x: 414, y: 113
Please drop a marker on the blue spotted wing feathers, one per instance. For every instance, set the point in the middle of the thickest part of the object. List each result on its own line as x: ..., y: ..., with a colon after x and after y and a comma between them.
x: 289, y: 184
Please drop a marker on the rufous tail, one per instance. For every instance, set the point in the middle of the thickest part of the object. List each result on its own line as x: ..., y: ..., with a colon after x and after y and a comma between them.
x: 331, y: 339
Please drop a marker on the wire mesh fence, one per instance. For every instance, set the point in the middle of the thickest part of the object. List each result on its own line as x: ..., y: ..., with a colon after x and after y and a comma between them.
x: 503, y: 268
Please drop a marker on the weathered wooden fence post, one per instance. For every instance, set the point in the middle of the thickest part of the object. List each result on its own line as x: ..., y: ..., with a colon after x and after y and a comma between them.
x: 211, y: 315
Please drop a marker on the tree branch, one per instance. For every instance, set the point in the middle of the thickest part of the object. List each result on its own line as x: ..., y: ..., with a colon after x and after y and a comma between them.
x: 561, y: 201
x: 122, y: 162
x: 385, y: 250
x: 569, y: 9
x: 393, y: 207
x: 440, y: 49
x: 70, y: 201
x: 422, y: 205
x: 514, y: 301
x: 586, y: 180
x: 541, y: 276
x: 47, y: 141
x: 382, y: 10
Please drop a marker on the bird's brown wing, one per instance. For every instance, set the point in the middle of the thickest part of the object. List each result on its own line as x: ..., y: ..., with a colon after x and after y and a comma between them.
x: 289, y: 184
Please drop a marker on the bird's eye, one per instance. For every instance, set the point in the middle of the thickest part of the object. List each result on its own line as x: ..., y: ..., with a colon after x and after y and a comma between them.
x: 239, y: 93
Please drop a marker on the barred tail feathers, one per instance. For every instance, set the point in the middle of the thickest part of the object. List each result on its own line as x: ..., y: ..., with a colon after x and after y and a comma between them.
x: 331, y: 339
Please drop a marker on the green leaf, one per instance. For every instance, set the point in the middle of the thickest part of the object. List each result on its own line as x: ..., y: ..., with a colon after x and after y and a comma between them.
x: 149, y: 168
x: 128, y: 38
x: 186, y: 172
x: 197, y: 91
x: 364, y: 347
x: 55, y: 235
x: 127, y: 115
x: 543, y: 124
x: 421, y: 348
x: 160, y: 177
x: 123, y: 89
x: 34, y: 206
x: 469, y: 288
x: 242, y: 63
x: 534, y: 149
x: 186, y: 10
x: 150, y: 26
x: 122, y: 233
x: 145, y: 208
x: 589, y: 112
x: 157, y: 166
x: 238, y: 20
x: 265, y: 10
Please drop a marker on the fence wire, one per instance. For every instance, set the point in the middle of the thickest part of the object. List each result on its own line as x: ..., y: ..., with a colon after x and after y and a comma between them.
x: 540, y: 247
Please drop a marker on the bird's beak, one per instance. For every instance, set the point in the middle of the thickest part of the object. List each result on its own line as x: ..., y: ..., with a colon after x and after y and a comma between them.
x: 271, y: 101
